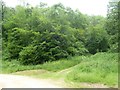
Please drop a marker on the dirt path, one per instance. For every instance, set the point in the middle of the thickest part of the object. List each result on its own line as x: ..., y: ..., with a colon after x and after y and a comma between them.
x: 16, y: 81
x: 61, y: 80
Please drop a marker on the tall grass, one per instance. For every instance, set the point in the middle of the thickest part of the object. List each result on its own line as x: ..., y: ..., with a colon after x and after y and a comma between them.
x: 63, y: 63
x: 14, y: 65
x: 99, y: 68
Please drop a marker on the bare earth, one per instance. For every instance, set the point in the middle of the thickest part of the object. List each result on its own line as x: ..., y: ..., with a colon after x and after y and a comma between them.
x: 16, y: 81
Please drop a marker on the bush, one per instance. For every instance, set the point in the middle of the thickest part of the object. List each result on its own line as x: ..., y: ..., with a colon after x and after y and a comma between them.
x: 37, y: 54
x: 97, y: 42
x: 17, y: 39
x: 27, y: 55
x: 34, y: 48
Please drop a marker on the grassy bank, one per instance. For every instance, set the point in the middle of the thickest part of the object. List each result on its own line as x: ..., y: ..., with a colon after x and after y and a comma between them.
x: 14, y: 66
x: 99, y: 68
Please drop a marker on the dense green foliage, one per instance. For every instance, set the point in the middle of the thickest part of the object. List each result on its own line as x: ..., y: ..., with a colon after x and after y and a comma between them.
x: 112, y: 25
x: 34, y: 35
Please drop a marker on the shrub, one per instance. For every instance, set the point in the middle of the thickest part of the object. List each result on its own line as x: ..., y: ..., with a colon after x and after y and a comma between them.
x: 17, y: 39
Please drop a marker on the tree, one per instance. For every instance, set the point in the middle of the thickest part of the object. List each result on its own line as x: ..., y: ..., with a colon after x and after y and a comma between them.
x: 113, y: 25
x: 34, y: 35
x: 97, y: 37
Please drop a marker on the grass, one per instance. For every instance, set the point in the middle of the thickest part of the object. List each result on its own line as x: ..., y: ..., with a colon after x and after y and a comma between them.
x: 63, y: 63
x: 100, y: 68
x: 14, y: 66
